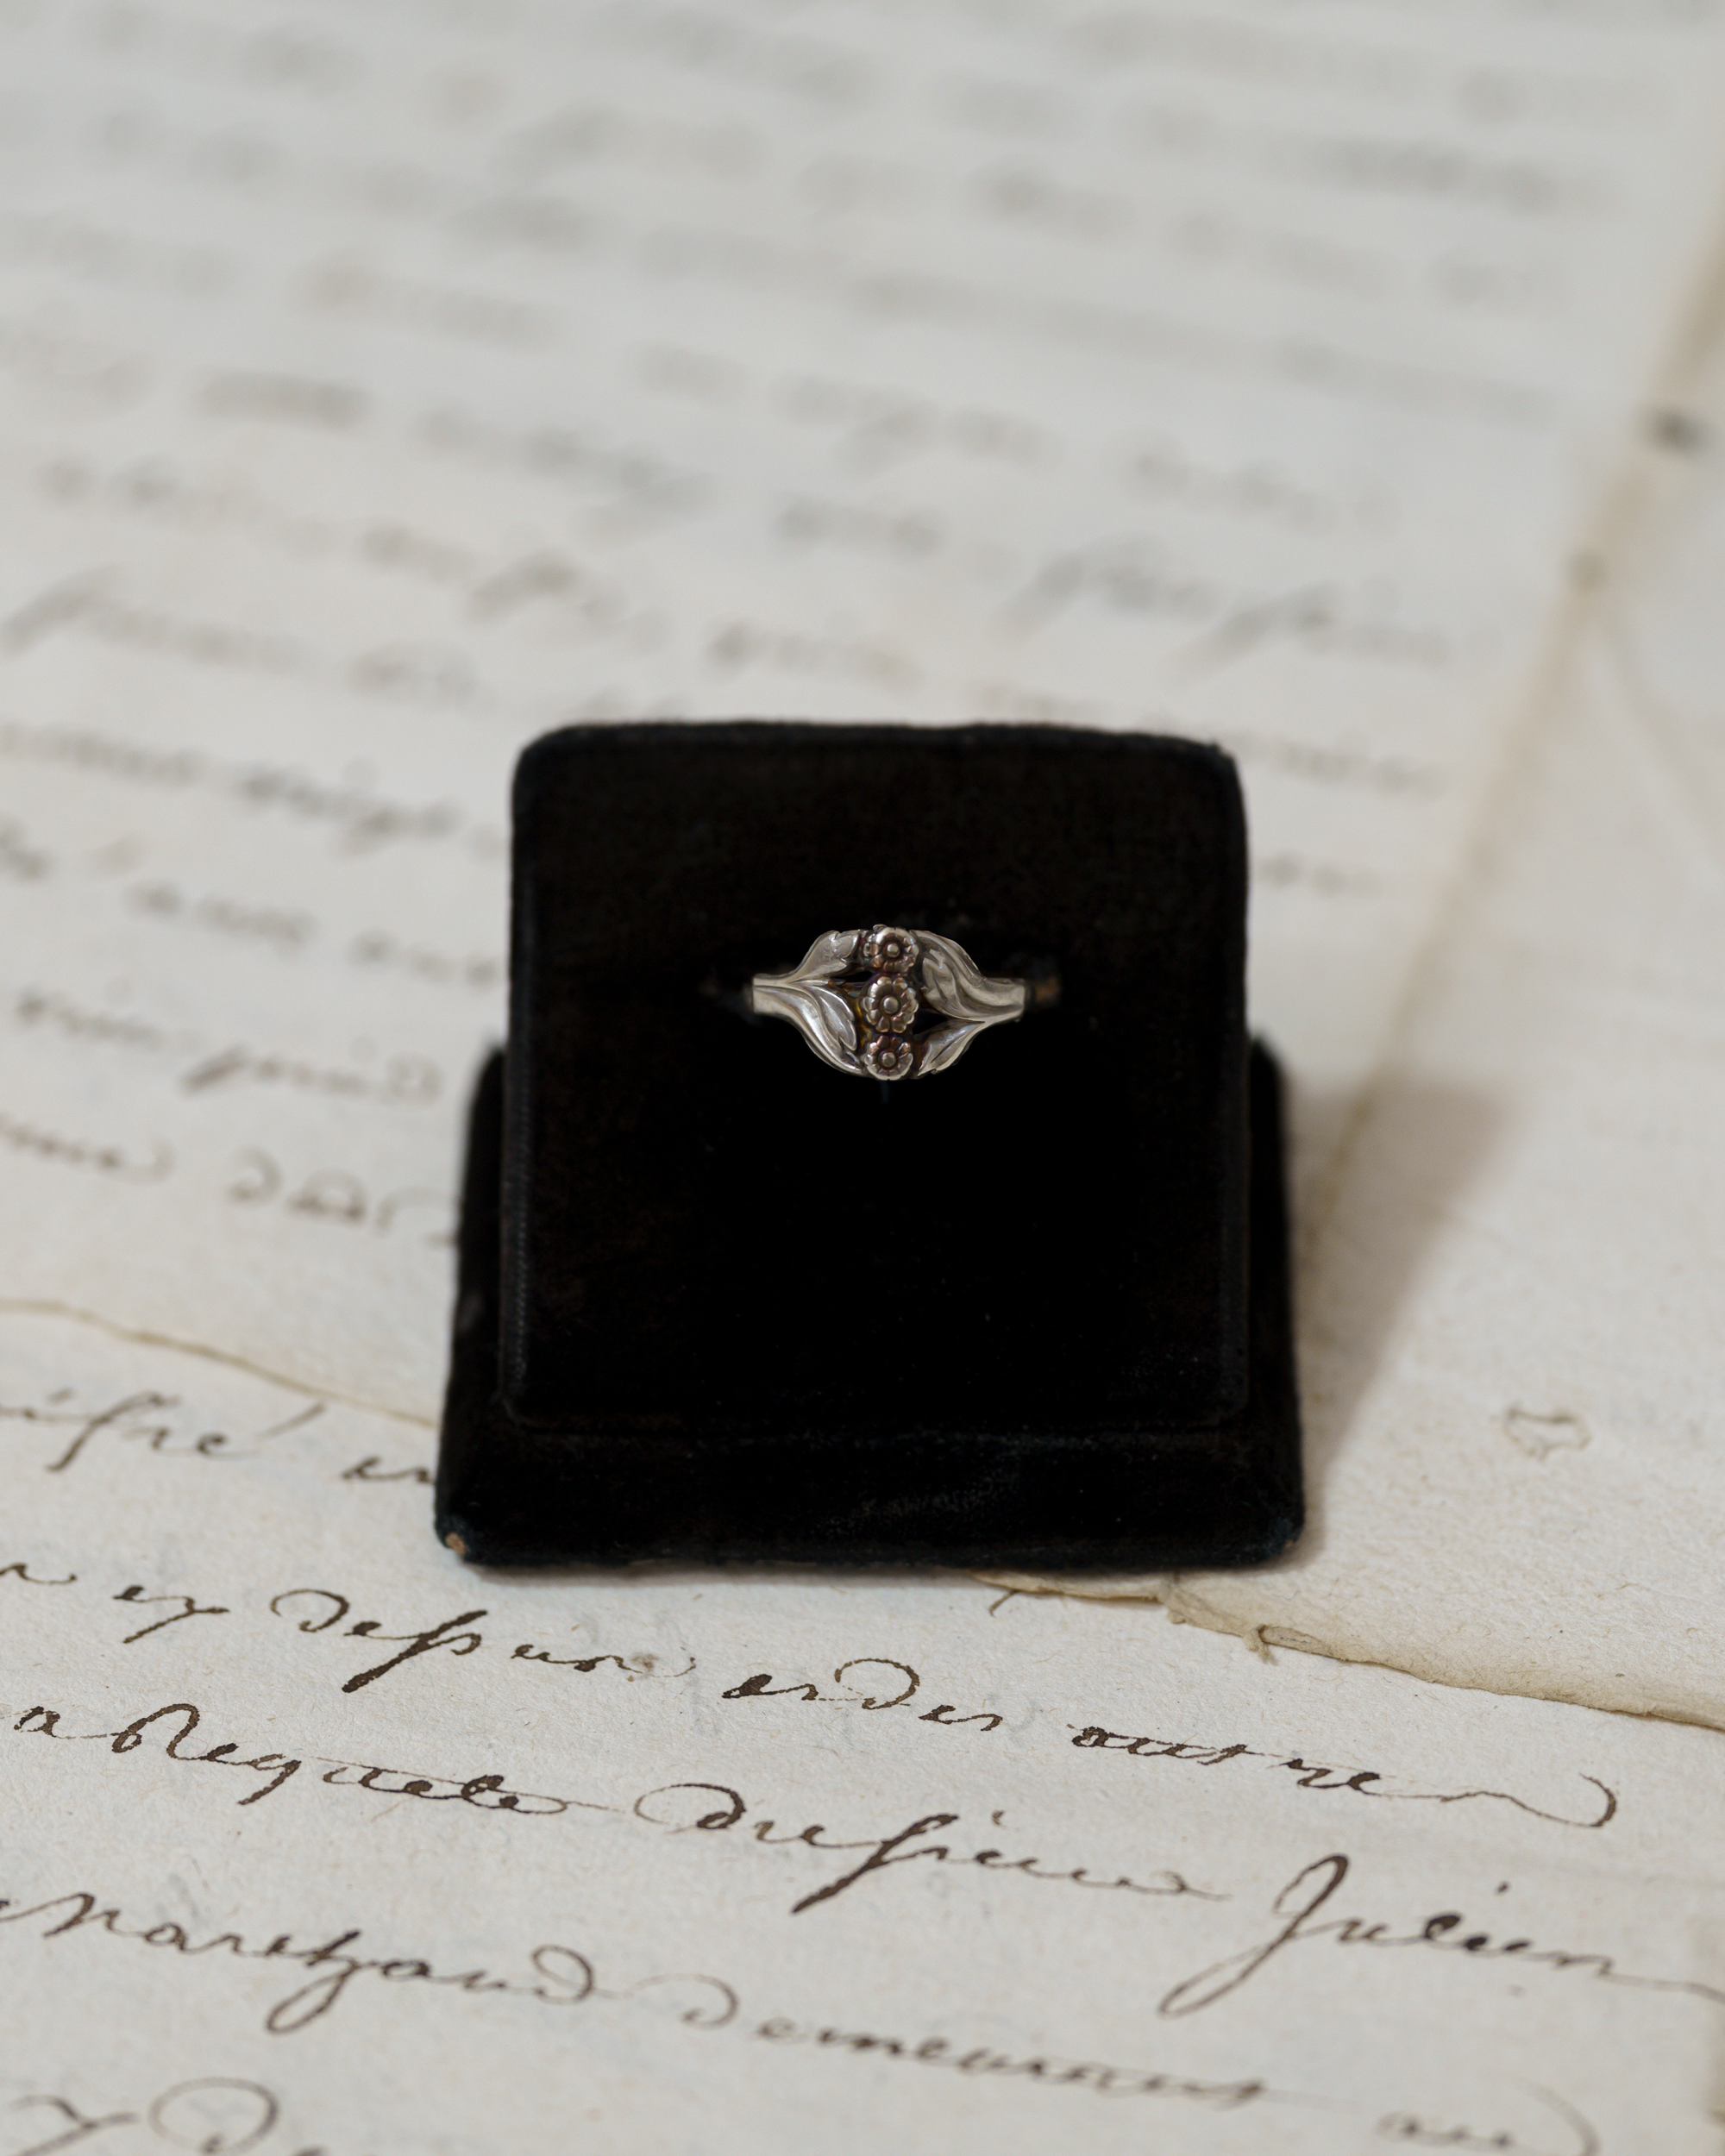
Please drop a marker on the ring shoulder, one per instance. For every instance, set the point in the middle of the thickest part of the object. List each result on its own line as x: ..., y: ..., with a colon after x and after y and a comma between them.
x: 958, y: 987
x: 820, y: 1013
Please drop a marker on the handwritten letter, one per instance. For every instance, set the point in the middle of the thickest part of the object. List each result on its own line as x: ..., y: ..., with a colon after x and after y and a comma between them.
x: 381, y: 385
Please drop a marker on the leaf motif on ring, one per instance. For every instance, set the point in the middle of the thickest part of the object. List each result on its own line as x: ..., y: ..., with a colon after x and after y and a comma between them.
x: 825, y: 1013
x: 946, y: 1044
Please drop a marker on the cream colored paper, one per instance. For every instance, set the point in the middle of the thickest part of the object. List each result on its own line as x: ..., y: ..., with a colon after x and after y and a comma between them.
x: 1513, y: 1352
x: 377, y: 388
x: 382, y: 1853
x: 381, y: 385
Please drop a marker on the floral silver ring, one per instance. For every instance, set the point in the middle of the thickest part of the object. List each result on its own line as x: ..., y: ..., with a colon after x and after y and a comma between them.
x: 887, y: 1002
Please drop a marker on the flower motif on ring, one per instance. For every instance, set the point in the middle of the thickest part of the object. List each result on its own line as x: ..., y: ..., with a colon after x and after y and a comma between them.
x: 889, y: 1004
x: 890, y: 950
x: 890, y: 1055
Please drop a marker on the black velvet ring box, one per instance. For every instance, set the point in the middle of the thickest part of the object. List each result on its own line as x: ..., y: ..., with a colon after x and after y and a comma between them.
x: 721, y: 1301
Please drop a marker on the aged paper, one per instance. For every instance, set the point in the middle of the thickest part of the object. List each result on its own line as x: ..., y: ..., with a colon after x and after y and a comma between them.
x: 380, y: 386
x: 382, y: 383
x: 1514, y: 1358
x: 321, y: 1840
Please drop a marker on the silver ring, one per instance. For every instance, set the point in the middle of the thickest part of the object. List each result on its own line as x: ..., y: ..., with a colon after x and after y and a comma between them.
x: 856, y: 997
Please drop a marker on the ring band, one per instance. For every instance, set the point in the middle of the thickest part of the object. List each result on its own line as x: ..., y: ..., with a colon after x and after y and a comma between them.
x: 857, y: 996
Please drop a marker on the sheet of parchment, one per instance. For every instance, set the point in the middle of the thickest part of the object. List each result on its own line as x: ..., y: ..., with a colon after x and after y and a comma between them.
x: 380, y: 386
x: 1513, y: 1359
x: 318, y: 1840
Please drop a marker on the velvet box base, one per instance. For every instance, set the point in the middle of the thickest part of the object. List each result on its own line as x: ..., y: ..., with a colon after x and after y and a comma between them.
x: 1223, y: 1493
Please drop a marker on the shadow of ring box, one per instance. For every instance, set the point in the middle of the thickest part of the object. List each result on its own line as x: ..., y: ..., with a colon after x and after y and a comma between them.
x: 719, y: 1302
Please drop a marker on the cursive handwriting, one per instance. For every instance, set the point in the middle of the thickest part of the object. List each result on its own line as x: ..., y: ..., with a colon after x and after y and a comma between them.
x: 188, y: 1608
x: 676, y: 1807
x: 404, y: 1080
x: 1365, y: 1782
x: 372, y: 1470
x: 631, y: 1666
x: 560, y: 1975
x: 704, y: 1807
x: 485, y: 1792
x: 332, y: 1195
x: 1413, y: 2132
x: 161, y: 1423
x: 697, y: 1806
x: 447, y: 1632
x: 868, y: 1683
x: 880, y: 1852
x: 215, y: 2115
x: 762, y: 1686
x: 1309, y: 1890
x: 357, y: 819
x: 563, y: 1977
x: 321, y: 1608
x: 102, y: 1156
x: 21, y: 1571
x: 135, y: 1417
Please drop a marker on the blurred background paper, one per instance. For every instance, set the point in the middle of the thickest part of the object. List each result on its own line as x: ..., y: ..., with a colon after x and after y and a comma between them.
x: 379, y: 387
x: 1513, y: 1348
